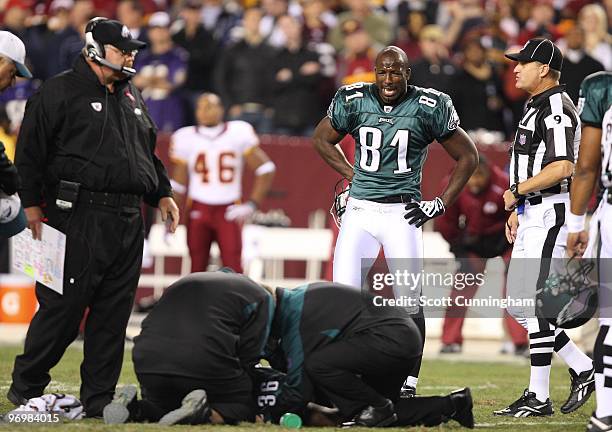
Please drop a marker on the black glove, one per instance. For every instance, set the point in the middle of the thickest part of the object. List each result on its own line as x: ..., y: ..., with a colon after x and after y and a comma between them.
x: 419, y: 213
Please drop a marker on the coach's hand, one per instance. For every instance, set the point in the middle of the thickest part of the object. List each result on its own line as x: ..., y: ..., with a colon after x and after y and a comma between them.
x: 169, y: 209
x: 577, y: 243
x: 419, y: 213
x: 512, y: 227
x: 34, y: 216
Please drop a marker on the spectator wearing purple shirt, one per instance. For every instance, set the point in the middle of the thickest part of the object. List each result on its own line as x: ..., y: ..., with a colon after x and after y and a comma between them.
x: 14, y: 100
x: 162, y: 71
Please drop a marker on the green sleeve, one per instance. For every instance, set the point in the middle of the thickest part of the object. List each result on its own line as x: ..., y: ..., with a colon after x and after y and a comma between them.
x: 339, y: 111
x: 445, y: 119
x: 589, y: 104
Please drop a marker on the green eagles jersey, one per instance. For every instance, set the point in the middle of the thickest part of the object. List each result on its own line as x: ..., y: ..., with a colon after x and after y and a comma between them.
x: 391, y: 141
x: 595, y: 107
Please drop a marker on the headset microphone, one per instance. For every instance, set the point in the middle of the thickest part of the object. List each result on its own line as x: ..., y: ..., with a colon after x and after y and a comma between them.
x: 103, y: 62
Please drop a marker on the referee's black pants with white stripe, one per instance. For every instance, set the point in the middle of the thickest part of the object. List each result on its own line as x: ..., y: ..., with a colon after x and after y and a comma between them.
x: 101, y: 271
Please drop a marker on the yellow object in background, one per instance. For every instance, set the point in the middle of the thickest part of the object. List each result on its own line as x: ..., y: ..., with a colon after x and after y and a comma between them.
x: 9, y: 142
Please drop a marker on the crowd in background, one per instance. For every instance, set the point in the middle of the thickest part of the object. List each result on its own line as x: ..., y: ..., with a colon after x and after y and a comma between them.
x: 277, y: 63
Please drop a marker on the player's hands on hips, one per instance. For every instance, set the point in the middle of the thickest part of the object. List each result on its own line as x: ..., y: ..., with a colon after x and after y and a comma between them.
x: 512, y: 227
x: 419, y: 213
x: 34, y: 216
x: 169, y: 209
x: 510, y: 200
x: 240, y: 212
x: 577, y: 243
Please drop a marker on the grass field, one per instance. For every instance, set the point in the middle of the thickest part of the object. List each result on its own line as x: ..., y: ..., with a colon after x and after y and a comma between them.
x: 493, y: 385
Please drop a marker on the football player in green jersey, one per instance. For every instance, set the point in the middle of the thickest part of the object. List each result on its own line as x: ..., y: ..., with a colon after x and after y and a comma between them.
x: 392, y: 124
x: 595, y: 160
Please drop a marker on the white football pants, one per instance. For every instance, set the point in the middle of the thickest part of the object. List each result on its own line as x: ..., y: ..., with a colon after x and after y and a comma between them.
x: 366, y: 227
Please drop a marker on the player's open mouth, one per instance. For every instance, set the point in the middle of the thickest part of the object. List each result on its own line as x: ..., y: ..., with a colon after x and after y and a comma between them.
x: 389, y: 92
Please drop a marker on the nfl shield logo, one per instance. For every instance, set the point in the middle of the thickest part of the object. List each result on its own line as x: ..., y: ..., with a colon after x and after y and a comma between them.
x: 97, y: 106
x: 522, y: 139
x: 388, y: 108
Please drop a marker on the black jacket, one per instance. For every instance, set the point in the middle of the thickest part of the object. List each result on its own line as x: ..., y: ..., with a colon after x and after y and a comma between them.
x: 310, y: 317
x: 202, y: 50
x: 206, y: 326
x: 74, y: 129
x: 243, y: 74
x: 296, y: 101
x: 572, y: 74
x: 479, y: 103
x: 9, y: 179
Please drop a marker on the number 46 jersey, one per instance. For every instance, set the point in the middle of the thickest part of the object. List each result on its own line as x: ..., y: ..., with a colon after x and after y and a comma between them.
x: 215, y: 159
x: 391, y: 140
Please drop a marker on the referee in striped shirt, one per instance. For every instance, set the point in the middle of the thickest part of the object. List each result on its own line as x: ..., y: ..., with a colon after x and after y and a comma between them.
x: 541, y: 165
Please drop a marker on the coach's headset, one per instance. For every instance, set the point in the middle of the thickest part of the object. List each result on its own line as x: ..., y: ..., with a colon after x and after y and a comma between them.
x: 96, y: 51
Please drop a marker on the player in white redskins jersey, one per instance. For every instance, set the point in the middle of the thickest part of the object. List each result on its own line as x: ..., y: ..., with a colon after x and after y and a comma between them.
x: 208, y: 163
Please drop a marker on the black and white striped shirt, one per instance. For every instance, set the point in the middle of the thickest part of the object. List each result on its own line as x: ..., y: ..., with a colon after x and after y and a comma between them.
x: 549, y: 131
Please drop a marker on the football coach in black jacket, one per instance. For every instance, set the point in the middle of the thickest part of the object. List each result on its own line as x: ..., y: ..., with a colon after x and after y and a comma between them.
x: 195, y: 357
x: 85, y: 154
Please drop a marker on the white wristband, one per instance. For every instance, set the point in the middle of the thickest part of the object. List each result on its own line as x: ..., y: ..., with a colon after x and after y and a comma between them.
x: 265, y: 168
x: 575, y: 223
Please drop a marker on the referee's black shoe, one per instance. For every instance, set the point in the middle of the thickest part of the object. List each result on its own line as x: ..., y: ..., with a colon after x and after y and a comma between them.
x: 374, y: 417
x: 527, y: 406
x: 603, y: 424
x: 581, y: 387
x: 462, y: 404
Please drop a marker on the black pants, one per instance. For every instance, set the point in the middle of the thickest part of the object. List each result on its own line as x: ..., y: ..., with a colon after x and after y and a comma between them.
x: 365, y: 369
x: 101, y: 271
x: 164, y: 393
x: 423, y: 411
x: 419, y: 320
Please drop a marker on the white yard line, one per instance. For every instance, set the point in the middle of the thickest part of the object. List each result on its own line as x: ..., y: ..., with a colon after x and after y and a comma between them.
x: 520, y: 422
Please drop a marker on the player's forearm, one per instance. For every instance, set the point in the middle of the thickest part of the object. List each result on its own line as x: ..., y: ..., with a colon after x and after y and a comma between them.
x: 582, y: 187
x: 549, y: 176
x: 587, y: 169
x: 333, y: 155
x: 261, y: 187
x: 466, y: 165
